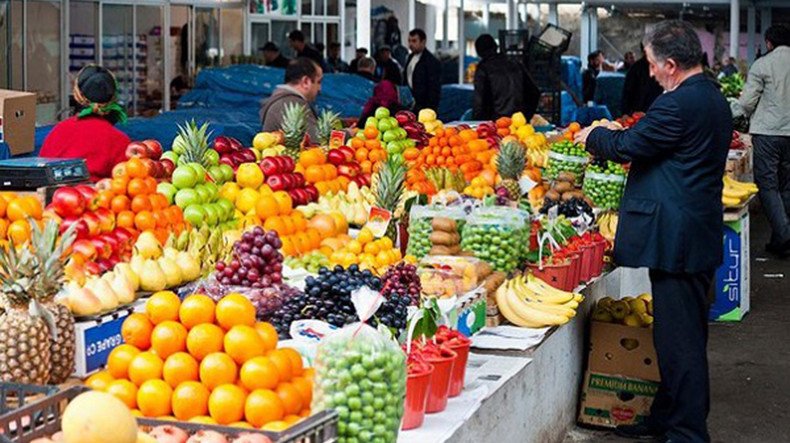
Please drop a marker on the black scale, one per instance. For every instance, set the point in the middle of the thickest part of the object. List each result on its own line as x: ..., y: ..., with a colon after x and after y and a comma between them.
x: 31, y: 173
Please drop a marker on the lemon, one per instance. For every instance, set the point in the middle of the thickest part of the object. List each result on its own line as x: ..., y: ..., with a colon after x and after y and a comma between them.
x: 246, y: 200
x: 230, y: 191
x: 249, y: 175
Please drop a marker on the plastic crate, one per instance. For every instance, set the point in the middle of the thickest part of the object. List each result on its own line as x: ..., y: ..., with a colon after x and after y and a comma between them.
x: 514, y: 42
x: 17, y: 395
x: 41, y: 419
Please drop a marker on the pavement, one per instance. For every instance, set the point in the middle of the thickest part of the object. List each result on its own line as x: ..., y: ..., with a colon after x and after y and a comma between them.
x: 749, y: 361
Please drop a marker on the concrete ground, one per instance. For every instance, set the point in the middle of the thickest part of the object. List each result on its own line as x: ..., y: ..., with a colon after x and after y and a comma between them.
x: 749, y: 361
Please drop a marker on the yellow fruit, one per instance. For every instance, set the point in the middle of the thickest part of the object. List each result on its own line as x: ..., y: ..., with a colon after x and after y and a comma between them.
x: 246, y: 199
x: 249, y: 175
x: 365, y: 236
x: 98, y: 417
x: 230, y: 191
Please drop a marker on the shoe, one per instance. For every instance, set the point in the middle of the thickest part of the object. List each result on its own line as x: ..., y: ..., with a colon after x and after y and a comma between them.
x: 639, y: 431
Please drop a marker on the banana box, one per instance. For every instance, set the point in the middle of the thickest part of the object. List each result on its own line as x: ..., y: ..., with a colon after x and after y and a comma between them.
x: 731, y: 299
x: 622, y: 376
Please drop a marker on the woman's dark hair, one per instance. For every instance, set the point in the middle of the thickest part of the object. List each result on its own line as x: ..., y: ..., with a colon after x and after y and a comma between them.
x: 676, y: 40
x: 97, y: 84
x: 778, y: 35
x: 300, y: 67
x: 485, y: 45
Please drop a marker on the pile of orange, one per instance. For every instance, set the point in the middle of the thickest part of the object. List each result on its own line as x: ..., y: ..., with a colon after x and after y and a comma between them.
x: 368, y: 150
x: 367, y: 252
x: 131, y: 195
x: 503, y: 126
x: 313, y: 165
x: 571, y: 131
x: 14, y: 213
x: 206, y: 362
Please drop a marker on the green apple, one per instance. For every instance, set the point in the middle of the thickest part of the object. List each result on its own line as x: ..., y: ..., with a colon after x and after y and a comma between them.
x: 200, y: 171
x: 212, y: 157
x: 394, y: 147
x: 402, y: 134
x: 372, y: 121
x: 203, y: 192
x: 213, y: 191
x: 184, y: 177
x: 393, y: 122
x: 384, y: 125
x: 186, y: 197
x: 170, y: 155
x: 390, y: 135
x: 212, y: 214
x: 227, y: 173
x: 195, y: 215
x: 168, y: 190
x: 382, y: 113
x: 227, y: 208
x: 216, y: 174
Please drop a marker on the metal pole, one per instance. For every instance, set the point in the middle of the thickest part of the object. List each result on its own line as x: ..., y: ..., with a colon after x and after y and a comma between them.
x: 554, y: 17
x: 584, y: 44
x: 735, y: 27
x: 166, y: 18
x: 446, y: 25
x: 134, y: 59
x: 765, y: 23
x: 512, y: 14
x: 64, y: 58
x: 24, y: 45
x: 593, y: 28
x: 486, y: 14
x: 363, y: 23
x: 751, y: 24
x: 412, y: 20
x: 461, y: 43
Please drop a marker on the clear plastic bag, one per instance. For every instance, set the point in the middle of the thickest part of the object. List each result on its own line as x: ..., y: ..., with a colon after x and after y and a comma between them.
x: 558, y: 163
x: 605, y: 190
x: 498, y: 235
x: 420, y: 226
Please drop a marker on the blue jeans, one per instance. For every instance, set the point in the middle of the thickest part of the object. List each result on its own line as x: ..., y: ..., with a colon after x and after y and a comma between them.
x: 772, y: 176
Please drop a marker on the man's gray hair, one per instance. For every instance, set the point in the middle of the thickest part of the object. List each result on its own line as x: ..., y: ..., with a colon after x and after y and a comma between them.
x: 366, y: 63
x: 676, y: 40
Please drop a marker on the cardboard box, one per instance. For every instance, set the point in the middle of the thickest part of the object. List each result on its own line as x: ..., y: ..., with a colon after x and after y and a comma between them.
x: 622, y: 376
x: 732, y: 278
x: 18, y: 121
x: 737, y: 163
x: 96, y: 338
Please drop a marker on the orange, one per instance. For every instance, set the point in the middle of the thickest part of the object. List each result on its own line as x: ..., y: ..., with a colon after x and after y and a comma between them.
x: 158, y: 201
x: 178, y: 368
x: 153, y: 398
x: 136, y: 331
x: 243, y: 343
x: 263, y: 406
x: 361, y: 154
x: 136, y: 186
x: 296, y: 361
x: 135, y: 168
x: 118, y: 185
x: 283, y: 362
x: 144, y: 220
x: 275, y: 426
x: 19, y: 232
x: 305, y: 388
x: 302, y: 242
x: 23, y: 207
x: 356, y: 143
x: 305, y: 413
x: 217, y: 369
x: 259, y: 373
x: 371, y: 132
x: 168, y: 337
x: 268, y: 333
x: 3, y: 206
x: 226, y: 404
x: 204, y: 339
x: 284, y: 202
x: 266, y: 207
x: 365, y: 236
x: 574, y: 127
x: 104, y: 199
x: 314, y: 156
x: 202, y: 419
x: 120, y: 203
x: 125, y: 219
x: 235, y: 309
x: 100, y: 380
x: 145, y: 366
x: 163, y: 306
x: 291, y: 398
x: 275, y: 224
x: 196, y: 309
x: 125, y: 390
x: 150, y: 186
x: 291, y: 419
x: 189, y: 400
x: 3, y: 227
x: 119, y: 359
x: 287, y: 248
x: 141, y: 203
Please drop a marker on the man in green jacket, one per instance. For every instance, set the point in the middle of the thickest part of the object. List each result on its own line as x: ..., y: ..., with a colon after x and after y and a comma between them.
x: 766, y: 99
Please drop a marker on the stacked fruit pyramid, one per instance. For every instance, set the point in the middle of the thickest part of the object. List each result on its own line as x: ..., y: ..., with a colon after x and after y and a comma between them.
x: 14, y: 212
x: 209, y: 363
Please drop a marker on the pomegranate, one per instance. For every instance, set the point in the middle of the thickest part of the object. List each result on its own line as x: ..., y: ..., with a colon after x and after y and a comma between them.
x: 168, y: 434
x: 207, y: 437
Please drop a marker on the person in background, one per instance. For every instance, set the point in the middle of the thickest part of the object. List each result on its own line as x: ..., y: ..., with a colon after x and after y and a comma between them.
x: 387, y: 67
x: 366, y: 68
x: 640, y: 89
x: 361, y: 53
x: 628, y: 60
x: 502, y: 86
x: 671, y: 222
x: 91, y: 134
x: 302, y: 49
x: 333, y: 60
x: 385, y: 94
x: 766, y: 99
x: 730, y: 67
x: 589, y: 76
x: 423, y: 73
x: 320, y: 48
x: 302, y: 84
x: 273, y: 57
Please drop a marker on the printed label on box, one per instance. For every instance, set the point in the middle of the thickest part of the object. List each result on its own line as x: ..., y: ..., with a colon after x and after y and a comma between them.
x: 732, y: 277
x: 609, y: 400
x: 100, y: 341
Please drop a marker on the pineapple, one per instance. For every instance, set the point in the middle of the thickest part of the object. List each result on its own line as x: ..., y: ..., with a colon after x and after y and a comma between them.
x: 510, y: 164
x: 191, y: 144
x: 327, y: 122
x: 294, y: 127
x: 389, y: 186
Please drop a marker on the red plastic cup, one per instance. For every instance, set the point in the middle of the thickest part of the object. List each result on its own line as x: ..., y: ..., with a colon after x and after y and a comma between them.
x: 439, y: 389
x: 459, y: 368
x: 416, y: 396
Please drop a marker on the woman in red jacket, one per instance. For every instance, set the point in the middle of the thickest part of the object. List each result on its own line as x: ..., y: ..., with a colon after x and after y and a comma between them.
x: 91, y: 133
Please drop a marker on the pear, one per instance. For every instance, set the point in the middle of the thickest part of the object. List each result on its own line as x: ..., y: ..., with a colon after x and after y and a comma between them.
x: 126, y: 270
x: 170, y: 253
x: 136, y: 263
x: 104, y: 292
x: 82, y: 301
x: 172, y: 271
x: 632, y: 320
x: 147, y: 246
x: 152, y: 278
x: 353, y: 191
x: 108, y: 276
x: 190, y: 267
x: 123, y: 288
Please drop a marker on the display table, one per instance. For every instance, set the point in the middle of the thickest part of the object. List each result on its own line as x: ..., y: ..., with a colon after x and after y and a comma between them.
x: 537, y: 403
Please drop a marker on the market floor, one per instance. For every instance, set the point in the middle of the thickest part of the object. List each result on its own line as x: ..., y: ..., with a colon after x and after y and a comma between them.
x: 749, y: 361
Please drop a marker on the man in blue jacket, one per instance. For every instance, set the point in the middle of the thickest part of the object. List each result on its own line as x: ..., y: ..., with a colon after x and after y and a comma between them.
x: 671, y: 221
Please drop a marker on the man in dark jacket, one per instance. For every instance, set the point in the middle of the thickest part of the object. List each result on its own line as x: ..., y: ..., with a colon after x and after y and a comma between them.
x: 590, y: 75
x: 302, y: 85
x: 502, y: 86
x: 423, y: 73
x: 361, y: 53
x: 302, y: 49
x: 671, y: 221
x: 273, y: 56
x: 640, y: 89
x: 387, y: 68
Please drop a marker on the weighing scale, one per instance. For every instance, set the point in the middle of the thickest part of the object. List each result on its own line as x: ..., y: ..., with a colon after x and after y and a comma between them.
x: 31, y: 173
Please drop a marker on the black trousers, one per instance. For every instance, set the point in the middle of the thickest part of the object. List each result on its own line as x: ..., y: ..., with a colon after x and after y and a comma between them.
x: 680, y: 334
x: 772, y: 176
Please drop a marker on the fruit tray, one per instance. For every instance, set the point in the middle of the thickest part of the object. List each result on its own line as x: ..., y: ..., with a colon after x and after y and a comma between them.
x: 17, y: 395
x: 42, y: 419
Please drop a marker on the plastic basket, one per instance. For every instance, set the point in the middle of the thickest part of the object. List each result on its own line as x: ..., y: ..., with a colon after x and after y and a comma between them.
x: 17, y: 395
x: 555, y: 275
x: 42, y: 418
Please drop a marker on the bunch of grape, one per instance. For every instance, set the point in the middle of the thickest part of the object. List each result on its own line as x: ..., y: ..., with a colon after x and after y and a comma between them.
x: 401, y: 280
x: 256, y: 261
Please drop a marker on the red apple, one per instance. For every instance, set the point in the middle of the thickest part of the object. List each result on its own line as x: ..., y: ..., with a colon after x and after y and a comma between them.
x: 110, y: 240
x: 153, y: 149
x: 347, y: 170
x: 85, y: 248
x: 136, y: 149
x: 299, y: 179
x: 275, y: 182
x: 227, y: 161
x: 68, y: 202
x: 239, y: 157
x: 288, y: 163
x: 102, y: 248
x: 269, y: 166
x: 235, y: 144
x: 248, y: 155
x: 167, y: 167
x: 90, y: 195
x: 222, y: 145
x: 92, y: 268
x: 106, y: 219
x: 94, y: 223
x: 336, y: 157
x: 312, y: 192
x: 348, y: 152
x: 80, y: 232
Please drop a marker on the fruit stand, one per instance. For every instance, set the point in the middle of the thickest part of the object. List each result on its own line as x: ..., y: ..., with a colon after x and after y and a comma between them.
x: 404, y: 281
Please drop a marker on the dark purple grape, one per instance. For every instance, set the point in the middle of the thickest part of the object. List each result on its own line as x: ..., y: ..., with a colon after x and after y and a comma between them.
x: 234, y: 264
x: 258, y: 230
x: 227, y: 272
x: 278, y: 256
x: 276, y: 277
x: 235, y: 280
x: 267, y: 251
x: 266, y: 281
x: 245, y: 247
x: 276, y: 243
x: 225, y: 280
x: 256, y: 251
x: 219, y: 266
x: 277, y: 267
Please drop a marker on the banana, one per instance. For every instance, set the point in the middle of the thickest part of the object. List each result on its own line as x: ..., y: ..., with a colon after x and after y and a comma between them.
x: 730, y: 202
x: 509, y: 313
x: 733, y: 192
x: 546, y: 292
x: 529, y: 294
x: 750, y: 187
x: 531, y: 314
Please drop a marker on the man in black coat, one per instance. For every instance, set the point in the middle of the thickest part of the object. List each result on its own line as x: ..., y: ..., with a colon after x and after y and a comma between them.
x: 595, y: 62
x: 273, y: 56
x: 423, y: 73
x: 502, y: 86
x: 671, y: 221
x: 302, y: 49
x: 387, y: 68
x: 640, y: 89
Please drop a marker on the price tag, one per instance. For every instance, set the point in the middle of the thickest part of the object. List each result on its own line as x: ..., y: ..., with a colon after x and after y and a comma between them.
x: 378, y: 221
x: 336, y: 139
x: 526, y: 184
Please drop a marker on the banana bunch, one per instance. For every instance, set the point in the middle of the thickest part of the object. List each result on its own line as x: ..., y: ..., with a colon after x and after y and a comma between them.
x: 630, y: 311
x: 206, y: 245
x: 443, y: 178
x: 538, y: 157
x: 735, y: 192
x: 531, y: 303
x: 607, y: 224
